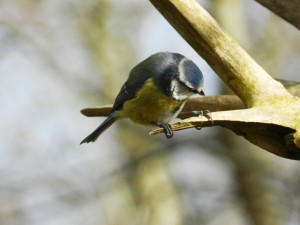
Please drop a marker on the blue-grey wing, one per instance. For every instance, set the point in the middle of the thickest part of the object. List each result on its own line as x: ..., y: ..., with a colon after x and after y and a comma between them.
x: 154, y: 67
x: 130, y: 88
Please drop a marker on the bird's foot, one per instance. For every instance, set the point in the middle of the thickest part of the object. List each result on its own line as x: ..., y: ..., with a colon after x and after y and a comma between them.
x: 205, y: 113
x: 167, y: 129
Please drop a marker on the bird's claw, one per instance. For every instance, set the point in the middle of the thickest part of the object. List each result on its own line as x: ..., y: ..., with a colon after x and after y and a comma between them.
x: 167, y: 129
x: 205, y: 113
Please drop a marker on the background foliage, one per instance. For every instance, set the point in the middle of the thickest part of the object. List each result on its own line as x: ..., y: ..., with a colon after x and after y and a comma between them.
x: 60, y: 56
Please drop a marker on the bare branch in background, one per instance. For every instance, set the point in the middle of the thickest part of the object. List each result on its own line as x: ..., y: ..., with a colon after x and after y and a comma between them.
x: 288, y: 10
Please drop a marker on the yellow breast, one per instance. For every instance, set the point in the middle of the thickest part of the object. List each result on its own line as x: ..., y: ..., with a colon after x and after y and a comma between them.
x: 150, y: 105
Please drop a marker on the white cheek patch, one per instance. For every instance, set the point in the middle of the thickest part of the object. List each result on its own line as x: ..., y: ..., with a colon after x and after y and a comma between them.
x: 178, y: 91
x: 173, y: 84
x: 174, y: 90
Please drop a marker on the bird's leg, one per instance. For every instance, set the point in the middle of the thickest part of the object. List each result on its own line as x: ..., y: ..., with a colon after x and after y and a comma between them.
x: 205, y: 113
x: 166, y: 127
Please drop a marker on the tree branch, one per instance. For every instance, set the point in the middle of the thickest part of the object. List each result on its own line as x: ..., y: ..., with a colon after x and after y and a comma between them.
x: 288, y: 10
x: 270, y: 108
x: 234, y: 66
x: 271, y: 118
x: 257, y: 133
x: 255, y: 124
x: 211, y: 103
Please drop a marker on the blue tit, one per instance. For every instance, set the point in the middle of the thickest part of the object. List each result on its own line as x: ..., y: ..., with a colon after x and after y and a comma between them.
x: 155, y: 92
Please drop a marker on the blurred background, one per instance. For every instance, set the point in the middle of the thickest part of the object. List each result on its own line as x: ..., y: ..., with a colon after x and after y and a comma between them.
x: 57, y: 57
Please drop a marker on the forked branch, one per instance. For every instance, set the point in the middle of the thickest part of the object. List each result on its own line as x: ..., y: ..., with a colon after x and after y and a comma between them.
x: 271, y: 119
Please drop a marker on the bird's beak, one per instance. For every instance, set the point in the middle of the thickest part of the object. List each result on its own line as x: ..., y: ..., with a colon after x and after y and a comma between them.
x: 201, y: 93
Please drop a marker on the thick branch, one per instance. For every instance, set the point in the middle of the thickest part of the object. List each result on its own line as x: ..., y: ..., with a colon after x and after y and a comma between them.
x: 234, y: 66
x: 272, y: 109
x: 256, y: 125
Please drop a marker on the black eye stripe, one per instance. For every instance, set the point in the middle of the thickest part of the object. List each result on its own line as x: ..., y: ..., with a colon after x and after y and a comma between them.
x: 188, y: 88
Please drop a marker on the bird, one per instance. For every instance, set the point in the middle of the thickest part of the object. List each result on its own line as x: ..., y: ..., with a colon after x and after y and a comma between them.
x: 155, y: 92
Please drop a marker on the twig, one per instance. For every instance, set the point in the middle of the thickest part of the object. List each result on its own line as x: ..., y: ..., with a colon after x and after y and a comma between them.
x: 288, y: 10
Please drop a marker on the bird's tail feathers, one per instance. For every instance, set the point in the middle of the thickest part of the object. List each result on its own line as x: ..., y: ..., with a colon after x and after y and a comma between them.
x: 96, y: 133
